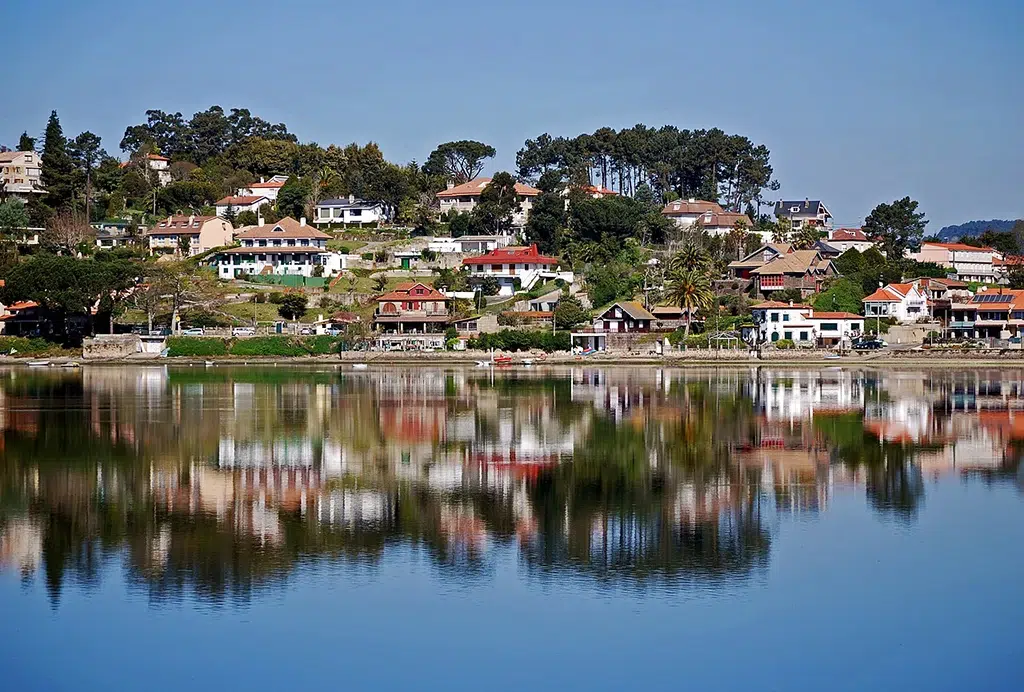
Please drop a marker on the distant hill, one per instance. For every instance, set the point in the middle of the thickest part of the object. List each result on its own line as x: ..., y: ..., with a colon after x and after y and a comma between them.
x: 974, y: 228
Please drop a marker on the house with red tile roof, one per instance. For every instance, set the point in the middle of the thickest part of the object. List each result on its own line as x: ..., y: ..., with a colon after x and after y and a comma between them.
x: 844, y: 239
x: 990, y: 314
x: 198, y: 233
x: 969, y: 263
x: 264, y: 188
x: 159, y: 166
x: 905, y: 303
x: 464, y: 198
x: 802, y: 324
x: 516, y: 267
x: 287, y: 247
x: 412, y: 316
x: 240, y: 203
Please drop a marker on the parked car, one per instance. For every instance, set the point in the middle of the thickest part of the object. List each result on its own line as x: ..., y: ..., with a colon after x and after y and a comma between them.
x: 243, y: 331
x: 869, y: 345
x: 193, y: 331
x: 306, y: 331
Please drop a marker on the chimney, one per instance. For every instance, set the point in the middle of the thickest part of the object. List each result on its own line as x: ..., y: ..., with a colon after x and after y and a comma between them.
x: 692, y: 200
x: 351, y: 199
x: 262, y: 179
x: 302, y: 221
x: 260, y: 221
x: 191, y: 219
x: 451, y: 184
x: 807, y: 203
x: 791, y: 303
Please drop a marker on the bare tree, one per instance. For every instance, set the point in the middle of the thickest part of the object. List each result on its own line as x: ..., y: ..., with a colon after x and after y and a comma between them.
x: 66, y: 231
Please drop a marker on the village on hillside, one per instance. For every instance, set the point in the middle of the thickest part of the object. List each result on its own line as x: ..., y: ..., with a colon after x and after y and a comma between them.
x: 586, y: 247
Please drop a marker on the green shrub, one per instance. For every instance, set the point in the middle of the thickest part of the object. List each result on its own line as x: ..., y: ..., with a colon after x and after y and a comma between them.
x: 267, y: 346
x: 368, y: 256
x: 784, y: 344
x: 320, y: 345
x: 29, y: 347
x: 343, y: 249
x: 192, y: 346
x: 522, y: 340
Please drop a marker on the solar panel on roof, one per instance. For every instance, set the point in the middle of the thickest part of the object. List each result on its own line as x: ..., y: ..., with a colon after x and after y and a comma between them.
x: 993, y: 298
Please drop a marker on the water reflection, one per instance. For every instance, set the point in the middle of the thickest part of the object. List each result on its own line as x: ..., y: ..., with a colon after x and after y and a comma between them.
x: 218, y: 482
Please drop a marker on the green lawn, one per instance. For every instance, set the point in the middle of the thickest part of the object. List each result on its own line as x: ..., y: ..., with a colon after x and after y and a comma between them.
x: 265, y: 312
x: 353, y: 245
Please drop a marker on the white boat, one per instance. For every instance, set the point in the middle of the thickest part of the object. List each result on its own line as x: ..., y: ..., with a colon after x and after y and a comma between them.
x: 527, y: 362
x: 72, y: 364
x: 832, y: 356
x: 208, y: 363
x: 359, y: 366
x: 38, y: 363
x: 483, y: 363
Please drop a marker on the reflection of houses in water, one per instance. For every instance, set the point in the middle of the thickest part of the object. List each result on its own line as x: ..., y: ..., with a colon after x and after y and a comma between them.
x: 612, y: 391
x: 21, y: 545
x: 799, y: 394
x: 902, y: 420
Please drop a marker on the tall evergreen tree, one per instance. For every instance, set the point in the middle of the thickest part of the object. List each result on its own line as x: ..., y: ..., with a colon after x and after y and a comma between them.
x: 58, y: 170
x: 26, y: 143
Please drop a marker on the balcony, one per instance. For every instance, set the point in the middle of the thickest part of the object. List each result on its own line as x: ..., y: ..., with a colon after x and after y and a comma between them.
x: 961, y: 325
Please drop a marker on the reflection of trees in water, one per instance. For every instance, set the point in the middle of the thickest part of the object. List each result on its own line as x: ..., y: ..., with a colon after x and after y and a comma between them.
x: 655, y: 490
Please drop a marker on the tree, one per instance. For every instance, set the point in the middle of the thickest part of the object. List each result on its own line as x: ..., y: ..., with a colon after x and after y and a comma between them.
x: 65, y: 232
x: 841, y: 295
x: 13, y: 217
x: 184, y: 244
x: 246, y: 218
x: 487, y: 285
x: 86, y: 153
x: 229, y: 214
x: 569, y: 312
x: 291, y: 199
x: 691, y: 291
x: 899, y: 226
x: 26, y: 143
x: 498, y: 202
x: 459, y: 161
x: 1016, y: 277
x: 850, y: 262
x: 806, y: 237
x: 58, y: 170
x: 546, y: 225
x: 783, y: 228
x: 183, y: 284
x: 380, y: 282
x: 292, y: 306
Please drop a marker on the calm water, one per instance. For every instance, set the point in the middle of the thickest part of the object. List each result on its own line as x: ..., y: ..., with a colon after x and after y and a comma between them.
x: 428, y: 528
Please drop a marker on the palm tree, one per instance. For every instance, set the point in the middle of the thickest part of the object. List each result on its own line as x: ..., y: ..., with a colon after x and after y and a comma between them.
x: 783, y: 227
x: 738, y: 237
x: 692, y: 256
x: 690, y: 289
x: 806, y: 237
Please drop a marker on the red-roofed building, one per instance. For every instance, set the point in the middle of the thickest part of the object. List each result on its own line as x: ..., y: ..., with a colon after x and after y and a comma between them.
x: 516, y: 263
x: 592, y: 191
x: 264, y: 188
x: 412, y: 316
x: 189, y: 234
x: 464, y: 198
x: 902, y: 302
x: 844, y: 239
x: 240, y: 203
x: 159, y: 165
x: 968, y: 262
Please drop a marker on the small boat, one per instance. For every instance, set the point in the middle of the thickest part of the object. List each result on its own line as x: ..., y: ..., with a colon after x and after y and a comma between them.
x: 527, y: 362
x: 38, y: 363
x: 71, y: 364
x: 503, y: 360
x: 483, y: 363
x: 208, y: 363
x: 832, y: 356
x: 359, y: 366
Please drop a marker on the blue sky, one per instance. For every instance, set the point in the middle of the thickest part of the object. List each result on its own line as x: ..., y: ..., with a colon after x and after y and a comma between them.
x: 859, y: 102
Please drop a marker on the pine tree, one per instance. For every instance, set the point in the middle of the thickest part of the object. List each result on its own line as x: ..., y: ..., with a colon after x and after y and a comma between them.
x: 26, y: 143
x: 58, y: 170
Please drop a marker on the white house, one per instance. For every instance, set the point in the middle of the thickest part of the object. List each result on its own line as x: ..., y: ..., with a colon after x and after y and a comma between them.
x: 464, y: 198
x: 348, y: 211
x: 804, y: 325
x: 903, y: 302
x: 264, y: 188
x: 286, y: 247
x: 809, y: 211
x: 685, y: 212
x: 844, y: 239
x: 513, y: 264
x: 968, y: 262
x: 468, y: 244
x: 240, y: 203
x: 159, y: 165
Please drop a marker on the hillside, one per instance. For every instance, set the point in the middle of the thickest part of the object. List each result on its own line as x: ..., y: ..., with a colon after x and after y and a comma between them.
x: 974, y: 228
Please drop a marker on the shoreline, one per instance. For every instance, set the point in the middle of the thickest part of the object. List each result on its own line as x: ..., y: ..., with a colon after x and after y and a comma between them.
x: 940, y: 359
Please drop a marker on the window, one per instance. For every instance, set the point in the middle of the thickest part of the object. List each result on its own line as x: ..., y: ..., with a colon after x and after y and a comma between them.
x: 775, y: 317
x: 785, y: 318
x: 830, y: 326
x: 325, y: 213
x: 355, y: 212
x: 305, y: 241
x: 788, y: 335
x: 803, y: 336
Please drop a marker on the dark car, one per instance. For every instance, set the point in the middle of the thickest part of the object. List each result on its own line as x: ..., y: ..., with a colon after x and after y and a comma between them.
x: 868, y: 345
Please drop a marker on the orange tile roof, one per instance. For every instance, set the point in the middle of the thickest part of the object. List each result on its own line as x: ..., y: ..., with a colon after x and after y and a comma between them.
x: 184, y: 225
x: 513, y: 254
x: 290, y: 228
x: 265, y: 185
x: 23, y: 305
x: 881, y: 296
x: 697, y: 206
x: 403, y: 291
x: 475, y: 186
x: 848, y: 234
x: 836, y: 316
x: 240, y: 200
x: 597, y: 190
x: 963, y: 247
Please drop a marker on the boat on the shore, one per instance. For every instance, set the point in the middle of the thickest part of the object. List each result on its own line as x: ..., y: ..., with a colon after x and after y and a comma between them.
x: 359, y: 366
x: 38, y: 363
x: 71, y: 364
